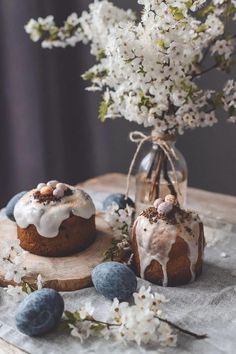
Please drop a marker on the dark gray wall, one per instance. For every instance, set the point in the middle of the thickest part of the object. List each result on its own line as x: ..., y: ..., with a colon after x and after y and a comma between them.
x: 49, y: 126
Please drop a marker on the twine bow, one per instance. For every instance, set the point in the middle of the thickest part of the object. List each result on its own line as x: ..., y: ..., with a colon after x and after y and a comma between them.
x: 140, y: 138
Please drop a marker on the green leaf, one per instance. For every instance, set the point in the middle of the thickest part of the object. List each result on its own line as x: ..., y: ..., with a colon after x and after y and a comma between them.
x: 27, y: 288
x: 103, y: 109
x: 70, y: 316
x: 202, y: 28
x: 100, y: 55
x: 77, y: 316
x: 110, y: 254
x: 91, y: 75
x: 64, y: 326
x: 101, y: 74
x: 98, y: 327
x: 161, y: 43
x: 189, y: 3
x: 145, y: 101
x: 88, y: 76
x: 207, y: 10
x: 54, y: 33
x: 231, y: 10
x: 177, y: 13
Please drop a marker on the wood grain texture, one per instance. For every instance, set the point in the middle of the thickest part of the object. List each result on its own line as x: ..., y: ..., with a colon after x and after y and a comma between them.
x: 210, y: 206
x: 62, y: 273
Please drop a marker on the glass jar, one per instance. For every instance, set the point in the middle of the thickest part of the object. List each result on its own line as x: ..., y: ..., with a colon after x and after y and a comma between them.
x: 156, y: 176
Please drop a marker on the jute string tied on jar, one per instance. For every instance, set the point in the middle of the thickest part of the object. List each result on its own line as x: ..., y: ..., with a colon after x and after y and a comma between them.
x: 163, y: 141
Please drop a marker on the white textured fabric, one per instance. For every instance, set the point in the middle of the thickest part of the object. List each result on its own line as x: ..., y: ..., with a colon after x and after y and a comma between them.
x: 206, y: 306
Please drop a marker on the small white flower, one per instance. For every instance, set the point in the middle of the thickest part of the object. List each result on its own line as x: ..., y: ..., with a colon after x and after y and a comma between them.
x: 39, y: 282
x: 16, y: 292
x: 33, y: 29
x: 14, y: 272
x: 232, y: 119
x: 86, y: 311
x: 223, y: 47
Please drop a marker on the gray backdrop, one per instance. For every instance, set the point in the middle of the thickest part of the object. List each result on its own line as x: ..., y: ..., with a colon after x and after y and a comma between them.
x: 49, y: 126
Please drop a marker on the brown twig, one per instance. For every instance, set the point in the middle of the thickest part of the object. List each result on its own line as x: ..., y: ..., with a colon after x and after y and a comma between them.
x: 185, y: 331
x: 167, y: 177
x: 206, y: 71
x: 149, y: 174
x: 216, y: 65
x: 157, y: 176
x: 92, y: 320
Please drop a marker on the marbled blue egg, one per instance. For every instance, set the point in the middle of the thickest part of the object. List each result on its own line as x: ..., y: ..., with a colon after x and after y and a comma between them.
x: 11, y: 205
x: 119, y: 199
x: 113, y: 279
x: 40, y: 312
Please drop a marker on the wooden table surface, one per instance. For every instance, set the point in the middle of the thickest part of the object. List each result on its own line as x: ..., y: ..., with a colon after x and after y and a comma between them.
x: 213, y: 207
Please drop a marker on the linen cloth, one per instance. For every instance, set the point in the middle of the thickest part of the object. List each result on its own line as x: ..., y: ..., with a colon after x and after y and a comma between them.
x: 206, y: 306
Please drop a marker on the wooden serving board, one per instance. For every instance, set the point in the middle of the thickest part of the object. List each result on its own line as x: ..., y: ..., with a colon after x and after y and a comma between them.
x: 62, y: 273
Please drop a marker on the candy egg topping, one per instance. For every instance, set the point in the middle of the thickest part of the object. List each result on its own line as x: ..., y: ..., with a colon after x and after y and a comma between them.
x: 52, y: 191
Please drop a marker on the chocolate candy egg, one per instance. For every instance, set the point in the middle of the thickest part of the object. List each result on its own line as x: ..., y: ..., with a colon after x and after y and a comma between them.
x: 157, y: 202
x: 46, y: 190
x: 52, y: 183
x: 119, y: 199
x: 170, y: 198
x: 58, y: 193
x: 40, y: 312
x: 165, y: 208
x: 62, y: 186
x: 11, y: 205
x: 114, y: 280
x: 40, y: 186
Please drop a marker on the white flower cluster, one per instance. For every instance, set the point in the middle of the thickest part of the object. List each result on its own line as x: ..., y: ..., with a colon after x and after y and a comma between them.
x: 148, y: 68
x: 229, y: 99
x: 93, y: 26
x: 139, y: 323
x: 12, y: 261
x: 18, y: 293
x: 11, y: 255
x: 120, y: 220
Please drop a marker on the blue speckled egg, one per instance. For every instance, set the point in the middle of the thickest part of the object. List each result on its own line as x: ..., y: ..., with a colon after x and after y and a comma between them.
x: 11, y: 205
x: 119, y: 199
x: 39, y: 312
x: 113, y: 279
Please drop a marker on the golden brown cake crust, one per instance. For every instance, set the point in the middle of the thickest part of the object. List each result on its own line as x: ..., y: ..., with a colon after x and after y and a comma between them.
x: 178, y: 266
x: 75, y: 234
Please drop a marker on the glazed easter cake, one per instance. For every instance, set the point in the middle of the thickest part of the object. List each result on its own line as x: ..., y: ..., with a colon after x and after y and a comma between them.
x: 55, y: 219
x: 168, y: 244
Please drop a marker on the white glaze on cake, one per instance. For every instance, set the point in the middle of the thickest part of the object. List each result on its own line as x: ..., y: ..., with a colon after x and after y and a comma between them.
x: 47, y: 218
x: 155, y: 241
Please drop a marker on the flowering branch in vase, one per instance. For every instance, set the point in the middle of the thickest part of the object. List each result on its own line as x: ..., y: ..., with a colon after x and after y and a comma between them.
x: 148, y: 67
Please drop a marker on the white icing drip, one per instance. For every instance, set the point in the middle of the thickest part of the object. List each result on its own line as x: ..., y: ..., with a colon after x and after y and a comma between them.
x: 48, y: 218
x: 192, y: 242
x: 156, y: 242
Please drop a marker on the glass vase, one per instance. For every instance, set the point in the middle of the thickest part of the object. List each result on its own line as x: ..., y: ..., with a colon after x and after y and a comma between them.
x: 160, y: 171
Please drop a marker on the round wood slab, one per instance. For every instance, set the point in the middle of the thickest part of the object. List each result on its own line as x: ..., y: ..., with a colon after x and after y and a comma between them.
x: 62, y: 273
